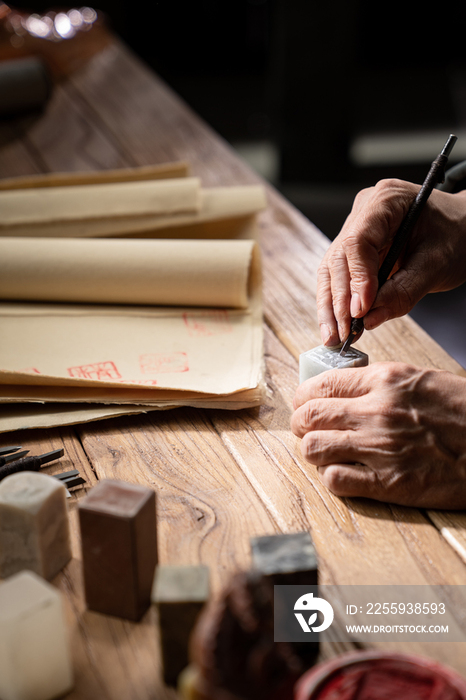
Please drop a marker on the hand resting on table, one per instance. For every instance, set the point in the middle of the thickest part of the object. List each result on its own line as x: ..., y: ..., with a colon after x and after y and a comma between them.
x: 388, y: 431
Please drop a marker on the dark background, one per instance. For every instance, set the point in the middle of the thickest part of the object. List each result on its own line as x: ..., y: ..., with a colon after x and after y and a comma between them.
x: 307, y: 77
x: 302, y: 80
x: 308, y: 74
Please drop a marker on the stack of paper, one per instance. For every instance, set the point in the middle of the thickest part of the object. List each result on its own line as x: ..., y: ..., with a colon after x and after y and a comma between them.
x: 162, y: 309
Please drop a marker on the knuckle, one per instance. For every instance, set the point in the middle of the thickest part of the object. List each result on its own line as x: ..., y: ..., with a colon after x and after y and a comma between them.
x: 386, y: 372
x: 362, y: 196
x: 329, y: 384
x: 321, y: 304
x: 322, y: 274
x: 336, y: 480
x: 296, y: 424
x: 322, y: 270
x: 303, y: 420
x: 388, y: 186
x: 341, y: 306
x: 337, y: 259
x: 336, y: 386
x: 392, y: 194
x: 310, y: 415
x: 312, y: 447
x: 356, y: 249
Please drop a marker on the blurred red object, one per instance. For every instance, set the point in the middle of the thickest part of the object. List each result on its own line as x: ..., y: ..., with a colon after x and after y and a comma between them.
x: 63, y: 38
x: 373, y: 675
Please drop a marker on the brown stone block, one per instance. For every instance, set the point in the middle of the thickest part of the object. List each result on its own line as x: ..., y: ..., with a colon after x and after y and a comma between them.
x: 119, y: 548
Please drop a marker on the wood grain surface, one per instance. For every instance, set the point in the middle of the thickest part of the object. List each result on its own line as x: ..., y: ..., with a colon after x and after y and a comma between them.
x: 221, y: 477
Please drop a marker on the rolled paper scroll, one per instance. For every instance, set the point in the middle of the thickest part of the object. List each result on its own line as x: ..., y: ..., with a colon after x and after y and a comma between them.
x: 151, y: 272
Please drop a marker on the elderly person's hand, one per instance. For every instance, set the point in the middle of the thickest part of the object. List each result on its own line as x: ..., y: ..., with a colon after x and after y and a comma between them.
x: 434, y: 259
x: 388, y: 431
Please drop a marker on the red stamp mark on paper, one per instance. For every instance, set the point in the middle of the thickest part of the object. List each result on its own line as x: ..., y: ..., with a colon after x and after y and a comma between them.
x: 162, y: 362
x: 213, y: 322
x: 97, y: 370
x: 30, y: 370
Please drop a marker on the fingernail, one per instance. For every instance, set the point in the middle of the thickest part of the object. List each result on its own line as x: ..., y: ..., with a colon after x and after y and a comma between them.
x: 355, y: 306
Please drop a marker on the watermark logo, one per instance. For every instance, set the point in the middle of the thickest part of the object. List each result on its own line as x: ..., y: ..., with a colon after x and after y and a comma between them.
x: 309, y: 603
x: 366, y: 614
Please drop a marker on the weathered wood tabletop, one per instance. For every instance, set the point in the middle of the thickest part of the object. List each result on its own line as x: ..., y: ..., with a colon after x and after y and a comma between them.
x: 221, y: 477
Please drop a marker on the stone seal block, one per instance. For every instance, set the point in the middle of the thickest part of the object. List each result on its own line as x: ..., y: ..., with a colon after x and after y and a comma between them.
x: 119, y: 547
x: 179, y: 594
x: 34, y: 527
x: 322, y: 358
x: 34, y: 651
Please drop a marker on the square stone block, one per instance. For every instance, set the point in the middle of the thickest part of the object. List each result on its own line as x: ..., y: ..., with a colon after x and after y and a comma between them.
x: 179, y: 593
x: 287, y: 559
x: 34, y: 527
x: 322, y: 358
x: 34, y: 651
x: 119, y: 547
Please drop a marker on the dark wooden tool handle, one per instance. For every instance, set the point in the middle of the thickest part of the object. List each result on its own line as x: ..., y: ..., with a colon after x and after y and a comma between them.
x: 28, y: 464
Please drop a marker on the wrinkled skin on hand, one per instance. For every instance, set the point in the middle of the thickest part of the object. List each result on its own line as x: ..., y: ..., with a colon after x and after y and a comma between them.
x: 389, y: 431
x: 434, y: 259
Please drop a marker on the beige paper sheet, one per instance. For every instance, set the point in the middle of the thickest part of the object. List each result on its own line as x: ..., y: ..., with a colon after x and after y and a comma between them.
x: 30, y: 211
x: 33, y: 415
x: 22, y: 416
x: 212, y: 351
x: 160, y: 171
x: 75, y: 362
x: 215, y: 209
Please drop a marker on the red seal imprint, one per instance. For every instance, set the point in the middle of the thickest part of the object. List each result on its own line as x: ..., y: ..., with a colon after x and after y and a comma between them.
x: 30, y: 370
x: 98, y: 370
x: 213, y: 322
x: 161, y: 362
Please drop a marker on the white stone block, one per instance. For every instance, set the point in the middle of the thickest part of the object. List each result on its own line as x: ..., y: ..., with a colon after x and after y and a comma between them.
x: 34, y: 527
x: 322, y: 358
x: 34, y: 654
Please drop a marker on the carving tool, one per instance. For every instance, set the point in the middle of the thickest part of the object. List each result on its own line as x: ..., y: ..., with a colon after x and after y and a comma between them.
x: 11, y: 458
x: 29, y: 464
x: 70, y: 479
x: 7, y: 450
x: 435, y: 176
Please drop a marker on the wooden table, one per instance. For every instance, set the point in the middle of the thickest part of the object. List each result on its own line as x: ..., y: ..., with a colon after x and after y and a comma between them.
x: 221, y: 477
